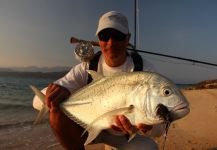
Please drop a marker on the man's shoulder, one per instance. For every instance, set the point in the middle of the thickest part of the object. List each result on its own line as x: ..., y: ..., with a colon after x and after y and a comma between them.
x: 137, y: 60
x: 79, y: 69
x: 81, y: 66
x: 142, y: 62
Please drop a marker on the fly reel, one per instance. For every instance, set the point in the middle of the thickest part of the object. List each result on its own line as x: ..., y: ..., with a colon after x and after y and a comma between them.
x: 84, y: 51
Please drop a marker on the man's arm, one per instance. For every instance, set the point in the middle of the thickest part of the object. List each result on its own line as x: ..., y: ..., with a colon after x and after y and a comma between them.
x: 67, y: 131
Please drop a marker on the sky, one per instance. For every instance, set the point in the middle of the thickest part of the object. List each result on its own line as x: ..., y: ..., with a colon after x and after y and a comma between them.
x: 37, y: 32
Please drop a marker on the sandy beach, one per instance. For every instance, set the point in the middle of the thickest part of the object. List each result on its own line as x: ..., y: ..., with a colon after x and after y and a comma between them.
x: 197, y: 131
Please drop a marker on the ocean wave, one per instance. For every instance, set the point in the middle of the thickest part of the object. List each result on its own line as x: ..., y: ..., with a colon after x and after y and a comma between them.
x: 17, y: 124
x: 20, y: 124
x: 3, y: 86
x: 14, y: 106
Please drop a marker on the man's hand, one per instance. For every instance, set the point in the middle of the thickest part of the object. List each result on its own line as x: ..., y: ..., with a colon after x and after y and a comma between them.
x: 66, y: 130
x: 124, y: 125
x: 55, y: 94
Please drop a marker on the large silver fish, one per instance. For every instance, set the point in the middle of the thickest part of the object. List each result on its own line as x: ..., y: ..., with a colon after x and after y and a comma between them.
x: 143, y: 97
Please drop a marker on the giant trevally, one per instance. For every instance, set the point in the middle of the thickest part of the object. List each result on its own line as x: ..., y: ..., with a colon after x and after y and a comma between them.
x: 143, y: 97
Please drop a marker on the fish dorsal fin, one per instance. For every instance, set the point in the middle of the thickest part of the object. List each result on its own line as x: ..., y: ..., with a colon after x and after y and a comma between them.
x: 95, y: 75
x: 94, y: 131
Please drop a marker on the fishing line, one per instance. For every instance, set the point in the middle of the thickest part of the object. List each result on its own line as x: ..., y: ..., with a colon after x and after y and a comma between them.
x: 166, y: 133
x: 166, y: 61
x: 174, y: 57
x: 180, y: 63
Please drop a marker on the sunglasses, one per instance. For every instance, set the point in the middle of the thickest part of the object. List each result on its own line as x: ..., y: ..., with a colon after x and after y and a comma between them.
x: 106, y: 34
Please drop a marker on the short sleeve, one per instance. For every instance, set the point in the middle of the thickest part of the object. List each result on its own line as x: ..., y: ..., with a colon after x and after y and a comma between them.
x: 75, y: 78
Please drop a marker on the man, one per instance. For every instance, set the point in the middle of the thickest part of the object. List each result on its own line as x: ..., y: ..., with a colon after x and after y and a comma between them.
x: 113, y: 34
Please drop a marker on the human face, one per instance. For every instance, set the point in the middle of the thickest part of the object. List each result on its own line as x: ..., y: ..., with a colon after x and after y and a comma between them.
x: 113, y: 46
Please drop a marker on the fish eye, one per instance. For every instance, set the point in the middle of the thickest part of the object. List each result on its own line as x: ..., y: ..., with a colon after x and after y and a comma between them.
x: 166, y: 91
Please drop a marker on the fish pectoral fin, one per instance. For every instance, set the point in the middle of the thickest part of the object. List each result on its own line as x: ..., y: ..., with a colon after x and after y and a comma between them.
x: 44, y: 109
x: 76, y: 102
x: 90, y: 127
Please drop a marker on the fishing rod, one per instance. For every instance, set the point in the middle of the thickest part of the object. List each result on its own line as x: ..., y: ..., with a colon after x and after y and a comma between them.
x: 130, y: 47
x: 75, y: 40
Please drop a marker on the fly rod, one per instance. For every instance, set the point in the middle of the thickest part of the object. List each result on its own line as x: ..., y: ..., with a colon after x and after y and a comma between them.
x: 130, y: 47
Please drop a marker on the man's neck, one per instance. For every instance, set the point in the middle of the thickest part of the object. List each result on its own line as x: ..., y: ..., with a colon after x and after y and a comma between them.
x: 116, y: 62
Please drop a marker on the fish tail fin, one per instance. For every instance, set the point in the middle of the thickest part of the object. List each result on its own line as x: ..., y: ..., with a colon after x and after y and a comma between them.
x: 44, y: 109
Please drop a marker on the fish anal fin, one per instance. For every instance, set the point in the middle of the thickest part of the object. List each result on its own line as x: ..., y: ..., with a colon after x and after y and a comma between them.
x: 92, y: 134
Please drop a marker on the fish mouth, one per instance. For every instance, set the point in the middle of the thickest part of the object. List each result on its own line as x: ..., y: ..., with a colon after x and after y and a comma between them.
x: 180, y: 111
x: 177, y: 112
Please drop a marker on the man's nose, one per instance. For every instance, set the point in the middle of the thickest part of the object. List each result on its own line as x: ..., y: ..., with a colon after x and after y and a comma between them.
x: 111, y: 41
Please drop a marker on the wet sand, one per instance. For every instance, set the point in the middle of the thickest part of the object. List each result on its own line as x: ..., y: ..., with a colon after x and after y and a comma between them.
x: 27, y: 137
x: 197, y: 131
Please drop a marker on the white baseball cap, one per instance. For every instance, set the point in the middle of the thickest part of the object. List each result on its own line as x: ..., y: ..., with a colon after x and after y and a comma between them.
x: 114, y: 20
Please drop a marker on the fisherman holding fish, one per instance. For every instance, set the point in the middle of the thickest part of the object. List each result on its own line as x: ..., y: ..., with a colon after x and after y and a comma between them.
x: 113, y: 34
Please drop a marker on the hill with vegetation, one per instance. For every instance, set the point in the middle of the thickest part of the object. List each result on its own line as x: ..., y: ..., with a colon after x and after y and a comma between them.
x: 207, y: 84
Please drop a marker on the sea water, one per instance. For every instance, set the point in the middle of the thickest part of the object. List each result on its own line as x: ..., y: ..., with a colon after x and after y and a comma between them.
x: 16, y: 99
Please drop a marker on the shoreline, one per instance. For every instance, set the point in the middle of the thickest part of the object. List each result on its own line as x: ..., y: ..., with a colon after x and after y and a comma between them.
x: 197, y: 131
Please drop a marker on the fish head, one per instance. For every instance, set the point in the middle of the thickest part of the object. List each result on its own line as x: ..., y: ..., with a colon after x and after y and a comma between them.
x: 164, y: 101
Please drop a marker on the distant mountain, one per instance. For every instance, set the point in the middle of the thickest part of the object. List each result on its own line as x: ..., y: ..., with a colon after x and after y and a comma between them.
x: 51, y: 75
x: 35, y: 69
x: 5, y: 70
x: 34, y: 72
